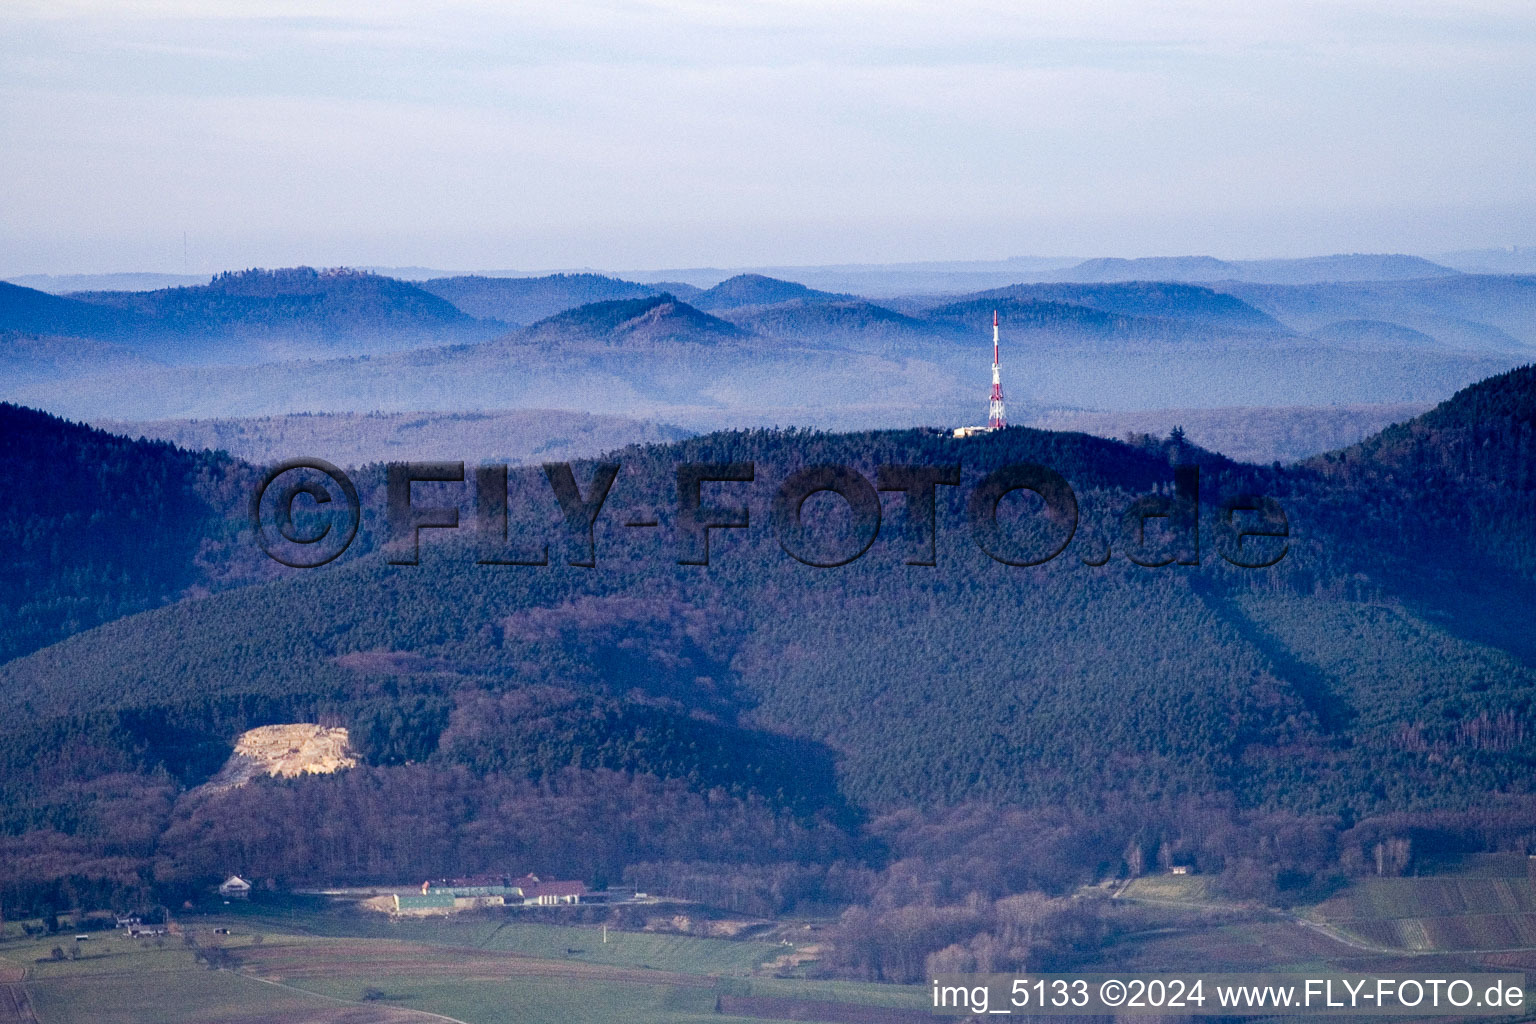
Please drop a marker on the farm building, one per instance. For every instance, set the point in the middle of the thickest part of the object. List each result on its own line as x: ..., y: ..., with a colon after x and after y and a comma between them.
x: 448, y: 901
x: 548, y: 894
x: 422, y: 906
x: 530, y: 890
x: 483, y: 891
x: 235, y: 887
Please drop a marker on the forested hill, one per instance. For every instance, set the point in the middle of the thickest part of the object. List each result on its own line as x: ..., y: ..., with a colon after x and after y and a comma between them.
x: 263, y: 314
x: 1473, y: 457
x: 757, y: 711
x: 756, y: 290
x: 97, y: 526
x: 29, y: 311
x: 1331, y: 687
x: 632, y: 324
x: 1030, y: 317
x: 1145, y: 298
x: 524, y: 300
x: 1483, y: 431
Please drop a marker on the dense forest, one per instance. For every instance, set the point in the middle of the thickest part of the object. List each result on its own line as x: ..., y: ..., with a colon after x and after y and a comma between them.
x: 97, y: 526
x: 950, y: 746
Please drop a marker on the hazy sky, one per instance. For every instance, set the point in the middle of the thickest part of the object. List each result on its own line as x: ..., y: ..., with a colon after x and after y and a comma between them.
x: 636, y: 134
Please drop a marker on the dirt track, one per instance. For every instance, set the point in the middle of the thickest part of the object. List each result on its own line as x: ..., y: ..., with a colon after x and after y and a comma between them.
x: 779, y: 1008
x: 342, y: 1015
x: 15, y: 1007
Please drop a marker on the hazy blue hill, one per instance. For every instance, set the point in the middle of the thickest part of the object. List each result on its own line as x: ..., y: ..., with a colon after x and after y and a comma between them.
x: 523, y: 300
x: 1029, y: 315
x: 1026, y: 316
x: 63, y: 284
x: 30, y: 311
x: 354, y: 439
x: 831, y: 320
x: 630, y: 323
x: 40, y: 360
x: 254, y: 314
x: 1349, y: 267
x: 755, y: 290
x: 1260, y: 435
x: 1150, y: 268
x: 1308, y: 270
x: 1144, y: 298
x: 681, y: 289
x: 1475, y: 312
x: 1373, y: 334
x: 1514, y: 259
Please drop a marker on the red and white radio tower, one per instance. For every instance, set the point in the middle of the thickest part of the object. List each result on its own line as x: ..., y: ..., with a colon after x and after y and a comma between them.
x: 997, y: 419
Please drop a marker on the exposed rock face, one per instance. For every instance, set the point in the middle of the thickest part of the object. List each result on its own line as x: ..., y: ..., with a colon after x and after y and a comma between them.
x: 284, y: 750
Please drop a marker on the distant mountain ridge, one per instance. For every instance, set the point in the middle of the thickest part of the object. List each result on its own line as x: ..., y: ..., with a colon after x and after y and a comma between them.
x: 517, y: 301
x: 30, y: 311
x: 654, y: 320
x: 243, y: 317
x: 1143, y: 298
x: 1307, y: 270
x: 1030, y: 316
x: 756, y: 290
x: 290, y: 311
x: 1467, y: 311
x: 777, y: 351
x: 63, y: 284
x: 855, y: 322
x: 354, y: 439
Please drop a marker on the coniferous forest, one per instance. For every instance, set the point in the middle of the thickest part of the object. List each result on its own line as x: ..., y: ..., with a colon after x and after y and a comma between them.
x: 923, y: 742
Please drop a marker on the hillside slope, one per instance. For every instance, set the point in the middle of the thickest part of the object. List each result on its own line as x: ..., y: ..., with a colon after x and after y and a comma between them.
x: 29, y: 311
x: 634, y: 324
x: 97, y: 526
x: 753, y: 713
x: 354, y: 439
x: 1142, y: 298
x: 524, y: 300
x: 254, y: 315
x: 756, y: 290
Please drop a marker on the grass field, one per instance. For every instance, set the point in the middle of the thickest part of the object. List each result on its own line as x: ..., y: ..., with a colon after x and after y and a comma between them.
x: 312, y: 962
x: 659, y: 951
x: 1183, y: 889
x: 172, y: 997
x: 641, y: 949
x: 305, y: 968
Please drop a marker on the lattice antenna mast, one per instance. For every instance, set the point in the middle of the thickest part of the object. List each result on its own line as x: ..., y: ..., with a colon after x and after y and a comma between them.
x: 997, y: 418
